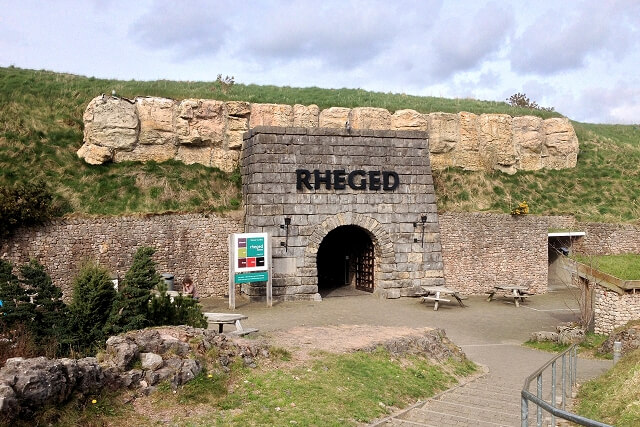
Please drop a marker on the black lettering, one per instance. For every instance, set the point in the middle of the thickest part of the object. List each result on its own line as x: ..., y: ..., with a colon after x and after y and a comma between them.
x: 386, y: 184
x: 351, y: 180
x: 374, y: 180
x: 302, y: 177
x: 319, y: 179
x: 338, y: 179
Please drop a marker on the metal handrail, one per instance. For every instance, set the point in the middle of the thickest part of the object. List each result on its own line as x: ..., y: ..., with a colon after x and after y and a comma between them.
x: 570, y: 374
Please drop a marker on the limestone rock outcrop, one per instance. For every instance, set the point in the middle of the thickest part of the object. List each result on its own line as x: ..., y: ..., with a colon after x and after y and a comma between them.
x: 210, y: 132
x: 165, y: 354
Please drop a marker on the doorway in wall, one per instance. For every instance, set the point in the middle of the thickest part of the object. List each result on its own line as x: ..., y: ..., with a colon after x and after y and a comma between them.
x: 346, y: 262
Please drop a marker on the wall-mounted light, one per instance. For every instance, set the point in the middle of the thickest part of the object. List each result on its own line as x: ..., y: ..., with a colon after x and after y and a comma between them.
x: 423, y: 221
x: 285, y: 226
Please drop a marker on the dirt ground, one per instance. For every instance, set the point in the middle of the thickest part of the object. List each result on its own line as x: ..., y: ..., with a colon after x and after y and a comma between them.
x: 303, y: 340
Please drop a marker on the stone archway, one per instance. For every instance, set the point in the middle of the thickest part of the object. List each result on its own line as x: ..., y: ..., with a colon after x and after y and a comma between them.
x: 382, y: 245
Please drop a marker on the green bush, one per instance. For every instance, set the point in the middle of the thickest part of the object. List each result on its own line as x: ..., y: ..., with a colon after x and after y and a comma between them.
x: 131, y: 308
x: 51, y: 320
x: 183, y: 310
x: 16, y: 308
x: 24, y: 205
x: 93, y: 297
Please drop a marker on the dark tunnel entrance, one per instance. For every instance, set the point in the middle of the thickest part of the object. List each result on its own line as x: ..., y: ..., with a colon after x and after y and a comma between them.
x: 345, y: 260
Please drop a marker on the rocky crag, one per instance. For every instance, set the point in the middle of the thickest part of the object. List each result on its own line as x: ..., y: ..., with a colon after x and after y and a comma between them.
x: 210, y: 132
x: 137, y: 360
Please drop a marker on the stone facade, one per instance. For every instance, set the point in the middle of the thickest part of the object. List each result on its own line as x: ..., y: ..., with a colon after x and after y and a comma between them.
x: 612, y: 309
x: 209, y: 132
x: 478, y: 249
x: 481, y: 251
x: 272, y: 192
x: 608, y: 239
x: 188, y: 244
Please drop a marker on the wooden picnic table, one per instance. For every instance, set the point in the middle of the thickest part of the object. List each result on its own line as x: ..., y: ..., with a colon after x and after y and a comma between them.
x: 222, y: 319
x: 437, y: 291
x: 518, y: 293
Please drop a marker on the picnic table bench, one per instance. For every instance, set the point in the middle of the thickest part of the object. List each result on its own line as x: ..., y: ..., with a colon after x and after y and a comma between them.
x: 434, y: 293
x: 222, y: 319
x: 518, y: 293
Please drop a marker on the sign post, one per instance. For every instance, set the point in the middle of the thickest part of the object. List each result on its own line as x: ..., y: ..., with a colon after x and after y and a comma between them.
x: 249, y: 261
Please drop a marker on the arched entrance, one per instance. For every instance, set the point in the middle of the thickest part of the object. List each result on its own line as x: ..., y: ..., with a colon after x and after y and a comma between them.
x: 346, y: 259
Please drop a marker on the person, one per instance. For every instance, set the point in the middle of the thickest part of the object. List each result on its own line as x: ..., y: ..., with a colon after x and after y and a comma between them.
x: 188, y: 288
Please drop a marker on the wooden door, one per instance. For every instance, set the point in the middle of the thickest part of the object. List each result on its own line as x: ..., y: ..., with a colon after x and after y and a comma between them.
x: 365, y: 268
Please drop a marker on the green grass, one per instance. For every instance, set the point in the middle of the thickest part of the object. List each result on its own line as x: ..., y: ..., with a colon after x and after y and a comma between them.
x: 614, y: 398
x: 589, y: 347
x: 624, y: 266
x: 41, y: 130
x: 331, y: 390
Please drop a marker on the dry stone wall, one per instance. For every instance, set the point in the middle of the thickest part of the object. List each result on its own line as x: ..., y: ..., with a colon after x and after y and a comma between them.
x: 481, y: 251
x: 612, y: 309
x: 478, y: 250
x: 210, y: 132
x: 186, y: 244
x: 608, y: 239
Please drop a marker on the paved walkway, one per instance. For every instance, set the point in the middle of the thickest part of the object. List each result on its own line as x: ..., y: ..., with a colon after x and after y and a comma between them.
x: 490, y: 333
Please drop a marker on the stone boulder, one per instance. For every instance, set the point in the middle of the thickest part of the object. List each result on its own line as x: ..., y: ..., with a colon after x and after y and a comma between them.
x: 409, y: 120
x: 528, y: 139
x: 271, y: 115
x: 157, y: 117
x: 370, y: 118
x: 629, y: 336
x: 121, y: 351
x: 164, y: 354
x: 111, y: 122
x: 306, y: 116
x: 28, y: 384
x: 560, y: 144
x: 200, y: 122
x: 467, y: 155
x: 496, y: 142
x: 334, y: 117
x: 95, y: 154
x: 433, y: 343
x: 443, y: 138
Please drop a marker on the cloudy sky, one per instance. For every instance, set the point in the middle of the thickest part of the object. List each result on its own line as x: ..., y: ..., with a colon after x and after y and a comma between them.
x: 580, y: 57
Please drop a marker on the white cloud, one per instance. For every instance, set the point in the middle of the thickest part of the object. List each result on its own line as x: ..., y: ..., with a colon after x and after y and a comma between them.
x: 568, y: 34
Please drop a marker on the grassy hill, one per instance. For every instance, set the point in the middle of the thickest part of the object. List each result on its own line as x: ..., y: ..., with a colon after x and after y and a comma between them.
x: 41, y: 130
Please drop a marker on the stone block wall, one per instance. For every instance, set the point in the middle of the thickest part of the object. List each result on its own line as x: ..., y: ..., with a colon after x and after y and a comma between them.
x: 186, y: 244
x: 612, y: 309
x: 608, y: 239
x: 270, y: 160
x: 481, y: 250
x: 209, y: 132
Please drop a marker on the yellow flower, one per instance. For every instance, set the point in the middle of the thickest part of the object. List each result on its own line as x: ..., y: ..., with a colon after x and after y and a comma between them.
x: 210, y: 376
x: 94, y: 401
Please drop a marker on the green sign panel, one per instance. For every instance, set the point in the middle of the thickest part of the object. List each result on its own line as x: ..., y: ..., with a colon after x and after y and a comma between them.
x: 255, y: 276
x: 255, y: 246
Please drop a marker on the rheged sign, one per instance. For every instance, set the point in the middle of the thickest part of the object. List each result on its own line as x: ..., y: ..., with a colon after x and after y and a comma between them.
x: 339, y: 180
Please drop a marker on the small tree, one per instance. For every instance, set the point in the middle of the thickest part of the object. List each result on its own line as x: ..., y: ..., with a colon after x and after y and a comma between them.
x: 93, y: 297
x: 16, y: 308
x: 131, y: 308
x: 183, y: 310
x: 50, y: 323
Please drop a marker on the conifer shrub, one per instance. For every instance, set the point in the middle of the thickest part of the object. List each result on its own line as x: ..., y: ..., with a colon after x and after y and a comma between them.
x: 16, y: 308
x: 93, y: 298
x: 50, y: 325
x: 183, y: 310
x: 130, y: 309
